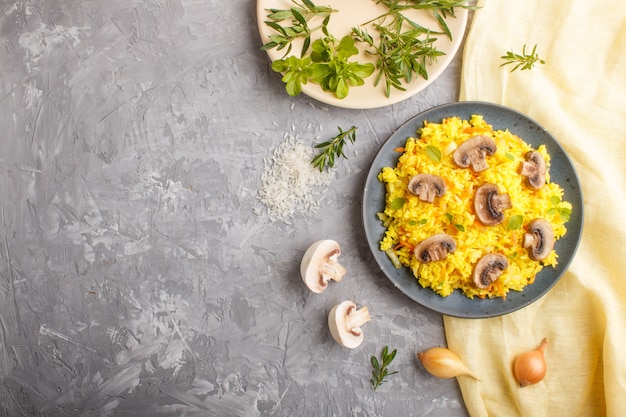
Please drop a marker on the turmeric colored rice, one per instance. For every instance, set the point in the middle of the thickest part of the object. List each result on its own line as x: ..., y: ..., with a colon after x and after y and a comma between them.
x: 408, y: 220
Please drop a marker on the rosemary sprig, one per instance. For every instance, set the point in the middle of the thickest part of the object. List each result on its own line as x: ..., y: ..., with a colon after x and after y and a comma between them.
x: 440, y: 9
x: 400, y: 54
x: 299, y: 18
x: 380, y: 370
x: 333, y: 148
x: 523, y: 61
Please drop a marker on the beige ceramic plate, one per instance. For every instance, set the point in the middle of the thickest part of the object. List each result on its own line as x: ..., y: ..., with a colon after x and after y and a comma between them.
x: 355, y: 13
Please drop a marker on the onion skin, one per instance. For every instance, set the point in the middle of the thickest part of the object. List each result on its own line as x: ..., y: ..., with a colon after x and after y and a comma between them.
x: 530, y: 368
x: 444, y: 363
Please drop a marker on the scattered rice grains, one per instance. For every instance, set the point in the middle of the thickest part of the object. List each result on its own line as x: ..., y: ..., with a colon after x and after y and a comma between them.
x: 289, y: 181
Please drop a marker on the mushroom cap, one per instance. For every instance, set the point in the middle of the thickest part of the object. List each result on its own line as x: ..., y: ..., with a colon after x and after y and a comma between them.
x: 345, y: 321
x: 435, y: 248
x: 427, y: 186
x: 489, y: 204
x: 488, y: 269
x: 319, y: 265
x: 534, y: 169
x: 539, y: 239
x: 473, y: 152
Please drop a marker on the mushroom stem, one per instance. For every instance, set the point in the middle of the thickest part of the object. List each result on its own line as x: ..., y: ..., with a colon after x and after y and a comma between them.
x: 332, y: 270
x: 357, y: 318
x: 345, y: 321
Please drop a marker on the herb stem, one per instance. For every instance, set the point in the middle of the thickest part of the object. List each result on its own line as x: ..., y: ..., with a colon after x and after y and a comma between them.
x: 333, y: 148
x: 523, y: 61
x: 380, y: 370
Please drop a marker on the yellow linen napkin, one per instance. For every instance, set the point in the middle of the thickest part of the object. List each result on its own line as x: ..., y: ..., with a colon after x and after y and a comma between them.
x: 579, y: 95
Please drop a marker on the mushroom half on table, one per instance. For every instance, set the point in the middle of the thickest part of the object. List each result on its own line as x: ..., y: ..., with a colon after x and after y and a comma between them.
x: 319, y: 265
x: 345, y: 321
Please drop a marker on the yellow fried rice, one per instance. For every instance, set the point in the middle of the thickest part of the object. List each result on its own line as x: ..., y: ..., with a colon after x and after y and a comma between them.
x: 409, y: 220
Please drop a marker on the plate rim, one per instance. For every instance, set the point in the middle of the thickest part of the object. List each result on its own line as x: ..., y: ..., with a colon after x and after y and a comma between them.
x: 576, y: 225
x: 328, y: 98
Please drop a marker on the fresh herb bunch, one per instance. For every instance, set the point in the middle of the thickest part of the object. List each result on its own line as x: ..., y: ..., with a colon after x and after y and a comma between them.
x: 327, y: 65
x: 403, y: 51
x: 331, y: 68
x: 299, y: 18
x: 400, y: 54
x: 333, y: 148
x: 523, y: 61
x: 380, y: 370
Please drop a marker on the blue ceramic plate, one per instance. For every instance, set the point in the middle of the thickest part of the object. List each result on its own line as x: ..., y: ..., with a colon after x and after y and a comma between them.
x: 561, y: 171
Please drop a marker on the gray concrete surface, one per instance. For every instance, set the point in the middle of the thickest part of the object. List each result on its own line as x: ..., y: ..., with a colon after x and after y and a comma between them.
x: 139, y: 272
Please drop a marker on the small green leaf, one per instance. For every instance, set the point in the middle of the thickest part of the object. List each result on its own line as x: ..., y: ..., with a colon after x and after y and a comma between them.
x: 565, y: 213
x: 397, y: 203
x: 298, y: 17
x: 375, y: 364
x: 510, y: 156
x: 332, y: 148
x: 433, y: 153
x: 515, y: 222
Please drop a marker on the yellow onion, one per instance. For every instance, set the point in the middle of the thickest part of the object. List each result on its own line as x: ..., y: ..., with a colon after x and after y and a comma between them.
x: 530, y: 367
x: 444, y: 363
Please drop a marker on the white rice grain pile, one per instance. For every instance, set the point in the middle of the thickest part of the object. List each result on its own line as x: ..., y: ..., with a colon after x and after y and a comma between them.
x: 289, y: 181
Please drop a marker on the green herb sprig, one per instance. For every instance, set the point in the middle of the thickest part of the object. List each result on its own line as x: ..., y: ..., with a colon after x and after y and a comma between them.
x: 333, y: 148
x: 299, y: 18
x: 380, y: 370
x: 523, y: 61
x: 564, y: 210
x: 440, y: 9
x: 400, y: 54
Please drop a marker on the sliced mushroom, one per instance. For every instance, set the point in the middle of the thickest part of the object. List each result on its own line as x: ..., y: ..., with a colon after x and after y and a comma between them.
x: 489, y: 204
x: 319, y: 265
x: 488, y: 269
x: 345, y: 321
x: 427, y: 186
x: 435, y: 248
x: 539, y: 240
x: 534, y: 169
x: 473, y: 152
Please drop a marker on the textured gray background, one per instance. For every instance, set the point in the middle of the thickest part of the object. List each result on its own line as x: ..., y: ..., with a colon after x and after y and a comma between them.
x: 136, y: 278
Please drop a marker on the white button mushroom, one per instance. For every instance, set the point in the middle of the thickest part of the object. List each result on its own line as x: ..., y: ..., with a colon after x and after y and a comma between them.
x: 489, y: 204
x: 427, y: 187
x: 345, y: 321
x: 319, y: 265
x: 534, y: 169
x: 539, y: 240
x: 473, y: 152
x: 488, y: 269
